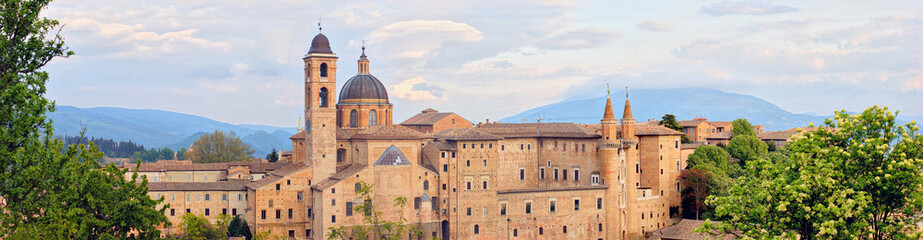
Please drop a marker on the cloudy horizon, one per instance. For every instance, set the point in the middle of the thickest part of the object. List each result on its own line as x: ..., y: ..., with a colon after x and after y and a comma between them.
x: 240, y: 62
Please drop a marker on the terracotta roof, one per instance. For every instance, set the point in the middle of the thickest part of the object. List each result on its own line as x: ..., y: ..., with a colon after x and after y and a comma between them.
x: 607, y: 113
x: 427, y: 117
x: 726, y: 135
x: 346, y: 133
x: 722, y: 124
x: 691, y: 145
x: 444, y: 146
x: 348, y: 171
x: 160, y: 167
x: 465, y: 134
x: 289, y: 169
x: 263, y: 182
x: 684, y: 230
x: 690, y: 123
x: 655, y: 130
x: 626, y: 114
x: 386, y: 132
x: 300, y: 135
x: 229, y: 185
x: 530, y: 130
x: 265, y: 167
x: 553, y: 189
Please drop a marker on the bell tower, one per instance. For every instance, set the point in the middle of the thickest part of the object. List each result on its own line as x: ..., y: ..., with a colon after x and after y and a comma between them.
x: 320, y: 69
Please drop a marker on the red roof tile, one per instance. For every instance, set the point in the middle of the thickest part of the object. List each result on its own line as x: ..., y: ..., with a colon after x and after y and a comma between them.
x: 655, y: 131
x: 530, y: 130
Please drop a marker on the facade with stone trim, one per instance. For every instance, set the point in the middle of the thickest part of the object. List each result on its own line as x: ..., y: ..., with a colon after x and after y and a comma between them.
x: 612, y: 180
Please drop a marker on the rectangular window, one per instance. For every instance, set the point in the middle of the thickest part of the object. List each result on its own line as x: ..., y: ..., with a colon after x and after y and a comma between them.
x: 240, y: 197
x: 278, y: 214
x: 528, y: 207
x: 278, y: 187
x: 187, y: 197
x: 552, y: 205
x: 484, y: 185
x: 541, y: 173
x: 416, y: 203
x: 522, y: 174
x: 502, y: 208
x: 599, y: 203
x: 443, y: 186
x: 270, y: 203
x: 208, y: 197
x: 300, y: 196
x: 172, y: 212
x: 576, y: 204
x: 333, y: 202
x: 469, y: 212
x: 234, y: 211
x: 188, y: 210
x: 263, y: 214
x: 207, y: 212
x: 333, y: 218
x: 469, y: 185
x: 445, y: 167
x: 349, y: 208
x: 677, y: 165
x: 555, y: 174
x: 576, y: 175
x: 290, y: 214
x: 564, y: 174
x: 224, y: 197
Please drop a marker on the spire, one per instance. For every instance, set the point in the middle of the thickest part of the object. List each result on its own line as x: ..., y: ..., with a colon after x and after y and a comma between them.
x: 627, y: 113
x: 319, y: 28
x: 363, y: 61
x: 608, y: 114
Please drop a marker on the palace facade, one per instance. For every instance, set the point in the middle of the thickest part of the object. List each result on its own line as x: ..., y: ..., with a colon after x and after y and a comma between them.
x: 612, y: 180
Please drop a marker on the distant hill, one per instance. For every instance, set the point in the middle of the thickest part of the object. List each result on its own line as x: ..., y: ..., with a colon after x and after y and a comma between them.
x: 157, y: 128
x: 686, y: 104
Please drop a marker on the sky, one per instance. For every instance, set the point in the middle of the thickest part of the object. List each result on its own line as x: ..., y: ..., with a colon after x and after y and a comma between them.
x: 240, y: 61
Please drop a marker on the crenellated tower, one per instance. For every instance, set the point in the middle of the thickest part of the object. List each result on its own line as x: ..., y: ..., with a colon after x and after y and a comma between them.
x: 320, y: 65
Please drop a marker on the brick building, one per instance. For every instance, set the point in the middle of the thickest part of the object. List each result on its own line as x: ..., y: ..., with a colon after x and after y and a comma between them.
x: 612, y: 180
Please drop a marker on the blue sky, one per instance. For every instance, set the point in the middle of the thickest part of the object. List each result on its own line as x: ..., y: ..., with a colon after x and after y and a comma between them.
x: 240, y: 61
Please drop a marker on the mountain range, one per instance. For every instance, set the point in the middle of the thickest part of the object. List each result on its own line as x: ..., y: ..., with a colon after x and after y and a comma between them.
x: 685, y: 104
x: 157, y: 128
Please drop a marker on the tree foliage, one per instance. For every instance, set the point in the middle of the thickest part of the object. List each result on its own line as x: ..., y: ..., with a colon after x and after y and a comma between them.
x: 239, y: 228
x: 698, y: 184
x: 197, y: 227
x: 218, y: 147
x: 375, y: 225
x: 669, y: 121
x: 747, y: 148
x: 861, y: 180
x: 273, y: 156
x: 49, y: 191
x: 742, y: 127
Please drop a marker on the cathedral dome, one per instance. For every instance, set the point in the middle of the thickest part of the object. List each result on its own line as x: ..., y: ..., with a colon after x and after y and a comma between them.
x: 363, y: 88
x: 320, y: 44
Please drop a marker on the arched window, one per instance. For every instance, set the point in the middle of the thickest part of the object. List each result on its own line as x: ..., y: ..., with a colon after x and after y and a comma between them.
x: 354, y: 118
x: 323, y: 97
x: 476, y: 229
x: 373, y: 117
x: 425, y: 185
x: 323, y: 70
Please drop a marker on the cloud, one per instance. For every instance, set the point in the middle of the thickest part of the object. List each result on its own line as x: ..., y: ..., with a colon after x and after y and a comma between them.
x: 421, y: 38
x: 655, y: 26
x: 417, y: 89
x: 913, y: 82
x: 745, y: 8
x: 586, y: 37
x: 359, y: 14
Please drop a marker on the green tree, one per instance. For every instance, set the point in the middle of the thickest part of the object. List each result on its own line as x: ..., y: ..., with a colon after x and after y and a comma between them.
x: 375, y: 226
x: 239, y: 228
x: 747, y: 148
x: 669, y: 121
x: 197, y: 227
x: 180, y: 154
x: 273, y: 156
x: 742, y: 127
x: 861, y: 180
x: 49, y: 191
x: 698, y: 184
x: 166, y: 154
x: 218, y: 147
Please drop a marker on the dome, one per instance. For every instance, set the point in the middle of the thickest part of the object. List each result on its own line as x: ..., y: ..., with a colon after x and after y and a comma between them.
x: 363, y: 88
x: 320, y: 44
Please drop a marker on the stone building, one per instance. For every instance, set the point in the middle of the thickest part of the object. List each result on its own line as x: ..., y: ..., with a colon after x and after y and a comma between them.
x: 612, y: 180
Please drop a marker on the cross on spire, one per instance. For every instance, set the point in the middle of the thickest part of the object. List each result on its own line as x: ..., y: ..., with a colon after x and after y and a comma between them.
x: 319, y: 28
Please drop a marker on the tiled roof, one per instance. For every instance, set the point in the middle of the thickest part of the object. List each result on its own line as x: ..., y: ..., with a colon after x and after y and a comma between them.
x: 465, y: 134
x: 690, y: 123
x: 386, y: 132
x: 726, y: 135
x: 655, y: 130
x: 529, y: 130
x: 160, y: 167
x: 426, y: 118
x: 229, y: 185
x: 685, y: 230
x: 263, y: 182
x: 444, y: 146
x: 348, y: 171
x: 552, y: 189
x: 346, y: 133
x: 300, y: 135
x: 392, y: 157
x: 721, y: 124
x: 289, y: 169
x: 265, y: 167
x: 691, y: 145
